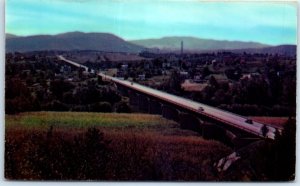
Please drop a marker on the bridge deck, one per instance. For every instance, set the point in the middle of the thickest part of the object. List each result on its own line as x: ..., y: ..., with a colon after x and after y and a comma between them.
x: 211, y: 112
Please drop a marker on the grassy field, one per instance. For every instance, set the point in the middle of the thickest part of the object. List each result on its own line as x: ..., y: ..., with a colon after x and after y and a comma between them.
x: 98, y: 146
x: 83, y: 120
x: 276, y: 121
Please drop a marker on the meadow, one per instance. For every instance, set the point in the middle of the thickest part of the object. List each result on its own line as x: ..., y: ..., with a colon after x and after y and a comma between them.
x: 275, y: 121
x: 106, y: 146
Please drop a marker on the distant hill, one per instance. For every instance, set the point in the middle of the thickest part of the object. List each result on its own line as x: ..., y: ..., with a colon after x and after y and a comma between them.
x: 290, y: 50
x: 110, y: 43
x: 195, y: 44
x: 70, y: 41
x: 7, y: 36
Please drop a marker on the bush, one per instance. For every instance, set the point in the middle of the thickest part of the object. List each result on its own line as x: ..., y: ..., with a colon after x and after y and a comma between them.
x: 53, y: 156
x: 270, y: 160
x: 20, y: 104
x: 101, y: 107
x: 123, y: 107
x: 57, y: 106
x: 282, y: 159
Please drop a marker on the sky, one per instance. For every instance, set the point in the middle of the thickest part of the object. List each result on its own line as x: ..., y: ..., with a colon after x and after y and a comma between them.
x: 266, y: 22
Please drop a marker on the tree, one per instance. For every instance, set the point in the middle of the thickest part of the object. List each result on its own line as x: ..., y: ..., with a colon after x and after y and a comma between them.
x: 213, y: 82
x: 99, y: 80
x: 287, y: 146
x: 206, y: 71
x: 101, y: 107
x: 282, y: 157
x: 123, y: 107
x: 289, y: 91
x: 234, y: 74
x: 58, y: 87
x: 175, y: 82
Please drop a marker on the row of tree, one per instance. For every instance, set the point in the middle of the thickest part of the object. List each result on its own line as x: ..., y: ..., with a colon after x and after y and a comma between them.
x: 34, y: 86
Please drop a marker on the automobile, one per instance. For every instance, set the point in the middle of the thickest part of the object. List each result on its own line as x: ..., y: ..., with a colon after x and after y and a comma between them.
x: 249, y: 121
x: 201, y: 109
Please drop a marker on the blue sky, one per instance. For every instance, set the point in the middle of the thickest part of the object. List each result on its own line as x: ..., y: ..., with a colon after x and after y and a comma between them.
x: 268, y: 22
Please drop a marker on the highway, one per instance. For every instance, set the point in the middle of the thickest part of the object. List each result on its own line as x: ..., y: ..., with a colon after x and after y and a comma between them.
x: 226, y: 117
x: 73, y: 63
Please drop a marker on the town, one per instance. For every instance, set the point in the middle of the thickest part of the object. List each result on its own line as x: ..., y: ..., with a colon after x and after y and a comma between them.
x: 243, y: 83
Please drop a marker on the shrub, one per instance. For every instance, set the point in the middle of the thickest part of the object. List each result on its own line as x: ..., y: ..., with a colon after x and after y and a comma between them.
x: 123, y: 107
x: 53, y: 156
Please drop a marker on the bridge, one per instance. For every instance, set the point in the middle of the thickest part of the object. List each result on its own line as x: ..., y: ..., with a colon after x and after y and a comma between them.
x: 223, y: 125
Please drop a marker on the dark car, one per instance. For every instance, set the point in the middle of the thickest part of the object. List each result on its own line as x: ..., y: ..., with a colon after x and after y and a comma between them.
x: 201, y: 109
x: 249, y: 121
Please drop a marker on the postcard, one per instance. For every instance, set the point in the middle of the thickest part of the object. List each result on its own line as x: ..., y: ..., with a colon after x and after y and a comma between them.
x: 150, y: 90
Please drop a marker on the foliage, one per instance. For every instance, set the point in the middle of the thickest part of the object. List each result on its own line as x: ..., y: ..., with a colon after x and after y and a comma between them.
x: 282, y: 161
x: 58, y: 87
x: 144, y: 149
x: 42, y: 120
x: 268, y: 160
x: 123, y: 107
x: 18, y: 97
x: 45, y: 84
x: 49, y: 156
x: 101, y: 107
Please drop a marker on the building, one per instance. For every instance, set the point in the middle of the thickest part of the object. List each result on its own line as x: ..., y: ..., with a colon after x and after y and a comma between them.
x: 142, y: 77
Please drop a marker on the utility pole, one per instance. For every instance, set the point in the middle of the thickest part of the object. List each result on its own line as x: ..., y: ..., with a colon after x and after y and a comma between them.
x: 181, y: 55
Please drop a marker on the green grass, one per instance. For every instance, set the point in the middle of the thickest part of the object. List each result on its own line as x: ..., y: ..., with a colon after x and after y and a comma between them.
x: 109, y: 122
x: 140, y: 147
x: 83, y: 119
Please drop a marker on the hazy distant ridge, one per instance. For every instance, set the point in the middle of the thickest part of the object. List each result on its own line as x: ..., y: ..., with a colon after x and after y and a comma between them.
x: 196, y: 44
x: 290, y: 50
x: 70, y: 41
x: 111, y: 43
x: 7, y: 36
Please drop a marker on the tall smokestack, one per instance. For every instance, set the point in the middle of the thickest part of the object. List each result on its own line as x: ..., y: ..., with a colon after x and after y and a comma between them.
x: 181, y: 47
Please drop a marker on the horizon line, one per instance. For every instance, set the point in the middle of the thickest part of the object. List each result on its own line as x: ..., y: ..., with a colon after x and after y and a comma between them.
x: 151, y: 38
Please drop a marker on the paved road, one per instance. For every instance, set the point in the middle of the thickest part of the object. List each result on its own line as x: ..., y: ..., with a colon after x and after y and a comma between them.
x: 73, y: 63
x: 217, y: 114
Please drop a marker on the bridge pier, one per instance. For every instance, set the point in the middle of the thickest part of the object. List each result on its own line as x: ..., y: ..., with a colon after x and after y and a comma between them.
x: 155, y: 107
x: 123, y: 90
x: 143, y: 103
x: 191, y: 122
x: 133, y: 98
x: 211, y: 131
x: 171, y: 113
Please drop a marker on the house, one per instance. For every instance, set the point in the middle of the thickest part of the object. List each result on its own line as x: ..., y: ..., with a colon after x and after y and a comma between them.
x: 219, y: 77
x: 141, y: 77
x: 198, y: 78
x: 124, y: 67
x: 184, y: 74
x: 190, y: 86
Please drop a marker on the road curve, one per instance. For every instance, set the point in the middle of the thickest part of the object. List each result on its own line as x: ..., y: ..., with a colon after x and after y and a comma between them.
x: 212, y: 112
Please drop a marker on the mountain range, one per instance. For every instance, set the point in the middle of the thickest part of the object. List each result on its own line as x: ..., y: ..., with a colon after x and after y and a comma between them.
x: 289, y: 50
x: 8, y: 36
x: 70, y: 41
x: 193, y: 43
x: 111, y: 43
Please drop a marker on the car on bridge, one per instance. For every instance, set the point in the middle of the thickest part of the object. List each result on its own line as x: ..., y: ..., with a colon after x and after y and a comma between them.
x: 201, y: 109
x: 249, y: 121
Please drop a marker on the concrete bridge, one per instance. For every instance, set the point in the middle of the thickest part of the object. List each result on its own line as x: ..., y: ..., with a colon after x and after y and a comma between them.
x: 230, y: 128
